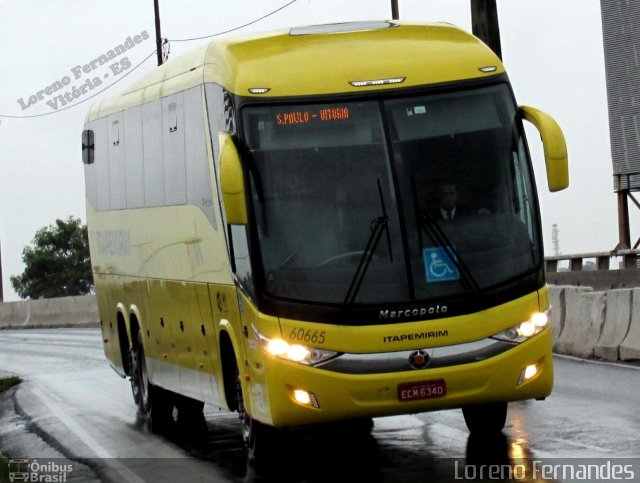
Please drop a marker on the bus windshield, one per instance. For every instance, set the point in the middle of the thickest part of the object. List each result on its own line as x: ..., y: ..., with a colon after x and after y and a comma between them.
x: 443, y: 178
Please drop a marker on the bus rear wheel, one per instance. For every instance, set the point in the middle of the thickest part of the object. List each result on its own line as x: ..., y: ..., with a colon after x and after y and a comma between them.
x: 485, y: 418
x: 154, y: 403
x: 133, y: 377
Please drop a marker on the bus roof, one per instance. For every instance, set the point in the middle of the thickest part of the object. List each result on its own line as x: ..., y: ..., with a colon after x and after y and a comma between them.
x: 320, y: 59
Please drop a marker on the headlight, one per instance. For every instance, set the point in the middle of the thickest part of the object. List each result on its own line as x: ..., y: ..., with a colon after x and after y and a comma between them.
x: 526, y: 329
x: 295, y: 352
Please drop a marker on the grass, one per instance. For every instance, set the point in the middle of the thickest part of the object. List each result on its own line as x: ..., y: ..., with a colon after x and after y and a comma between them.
x: 7, y: 382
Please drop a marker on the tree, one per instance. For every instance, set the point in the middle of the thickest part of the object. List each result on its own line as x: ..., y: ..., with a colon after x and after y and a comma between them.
x: 58, y: 264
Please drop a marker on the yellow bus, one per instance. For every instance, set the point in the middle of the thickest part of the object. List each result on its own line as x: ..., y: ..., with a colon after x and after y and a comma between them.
x: 326, y: 223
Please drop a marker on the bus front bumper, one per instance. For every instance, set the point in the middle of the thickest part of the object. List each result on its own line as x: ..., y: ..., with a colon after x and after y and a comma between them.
x: 302, y: 395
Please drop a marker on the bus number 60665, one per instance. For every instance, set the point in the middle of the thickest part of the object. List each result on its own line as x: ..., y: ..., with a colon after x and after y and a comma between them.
x: 315, y: 337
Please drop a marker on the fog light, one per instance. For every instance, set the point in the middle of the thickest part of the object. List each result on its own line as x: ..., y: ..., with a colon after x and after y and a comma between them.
x: 305, y: 398
x: 301, y: 396
x: 527, y: 373
x: 530, y: 371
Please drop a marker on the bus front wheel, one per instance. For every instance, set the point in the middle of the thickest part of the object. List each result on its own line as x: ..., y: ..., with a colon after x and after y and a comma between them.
x: 260, y: 439
x: 485, y: 418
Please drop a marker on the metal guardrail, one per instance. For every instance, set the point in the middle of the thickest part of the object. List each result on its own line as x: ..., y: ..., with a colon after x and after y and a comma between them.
x: 601, y: 274
x: 603, y: 260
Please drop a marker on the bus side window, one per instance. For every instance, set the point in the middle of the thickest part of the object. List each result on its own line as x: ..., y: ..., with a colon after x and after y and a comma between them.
x: 153, y: 154
x: 115, y: 133
x: 134, y: 159
x: 175, y: 175
x: 172, y: 117
x: 117, y: 169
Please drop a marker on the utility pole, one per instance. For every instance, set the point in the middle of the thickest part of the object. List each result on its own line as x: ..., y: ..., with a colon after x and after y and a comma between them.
x: 624, y: 229
x: 158, y: 34
x: 395, y: 11
x: 484, y: 22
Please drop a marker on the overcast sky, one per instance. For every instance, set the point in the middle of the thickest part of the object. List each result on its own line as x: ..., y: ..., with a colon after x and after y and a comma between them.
x: 552, y: 51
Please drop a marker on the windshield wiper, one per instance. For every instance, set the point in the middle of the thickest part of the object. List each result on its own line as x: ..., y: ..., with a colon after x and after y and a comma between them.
x: 378, y: 225
x: 439, y: 237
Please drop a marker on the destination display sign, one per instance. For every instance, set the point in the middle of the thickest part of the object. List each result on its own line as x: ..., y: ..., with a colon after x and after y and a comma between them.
x: 312, y: 116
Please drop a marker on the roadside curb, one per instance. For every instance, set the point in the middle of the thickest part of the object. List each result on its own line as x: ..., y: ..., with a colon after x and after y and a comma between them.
x: 20, y: 437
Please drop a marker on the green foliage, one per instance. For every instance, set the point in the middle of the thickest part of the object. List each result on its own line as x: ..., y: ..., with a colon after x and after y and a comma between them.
x: 57, y: 264
x: 7, y: 382
x: 4, y: 469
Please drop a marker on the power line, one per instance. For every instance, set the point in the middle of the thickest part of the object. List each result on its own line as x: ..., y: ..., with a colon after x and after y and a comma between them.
x: 84, y: 100
x: 239, y: 27
x: 165, y: 45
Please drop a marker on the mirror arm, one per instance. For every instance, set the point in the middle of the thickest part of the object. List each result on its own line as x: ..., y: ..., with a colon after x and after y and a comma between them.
x: 555, y: 147
x: 232, y: 183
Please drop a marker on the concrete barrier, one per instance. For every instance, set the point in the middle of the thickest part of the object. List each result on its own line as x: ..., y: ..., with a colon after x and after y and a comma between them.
x: 557, y: 294
x: 561, y: 311
x: 81, y: 311
x: 584, y: 318
x: 580, y: 326
x: 556, y: 299
x: 630, y: 346
x: 616, y: 324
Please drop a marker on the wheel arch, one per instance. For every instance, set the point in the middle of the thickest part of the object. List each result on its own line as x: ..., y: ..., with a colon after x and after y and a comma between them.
x: 230, y: 365
x: 124, y: 340
x: 134, y: 326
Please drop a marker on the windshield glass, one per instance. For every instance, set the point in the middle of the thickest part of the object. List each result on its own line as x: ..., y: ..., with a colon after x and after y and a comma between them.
x: 468, y: 198
x: 432, y: 194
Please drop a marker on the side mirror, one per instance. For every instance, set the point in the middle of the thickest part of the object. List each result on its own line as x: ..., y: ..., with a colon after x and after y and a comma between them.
x: 232, y: 181
x: 555, y: 147
x: 88, y: 146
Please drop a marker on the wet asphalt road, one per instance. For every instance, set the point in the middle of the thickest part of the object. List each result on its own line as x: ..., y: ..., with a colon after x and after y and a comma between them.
x: 72, y: 405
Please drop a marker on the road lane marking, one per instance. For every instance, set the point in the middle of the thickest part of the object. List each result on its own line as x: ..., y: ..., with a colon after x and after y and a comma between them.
x: 99, y: 450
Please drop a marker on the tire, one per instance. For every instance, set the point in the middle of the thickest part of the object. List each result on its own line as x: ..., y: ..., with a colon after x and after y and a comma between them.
x: 133, y: 378
x: 262, y: 441
x: 154, y: 403
x: 488, y: 418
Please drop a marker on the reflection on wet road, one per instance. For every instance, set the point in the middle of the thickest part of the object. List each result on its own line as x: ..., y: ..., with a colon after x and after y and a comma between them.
x: 73, y: 399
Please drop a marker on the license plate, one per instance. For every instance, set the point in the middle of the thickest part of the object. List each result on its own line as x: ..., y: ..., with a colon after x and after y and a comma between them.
x: 415, y: 391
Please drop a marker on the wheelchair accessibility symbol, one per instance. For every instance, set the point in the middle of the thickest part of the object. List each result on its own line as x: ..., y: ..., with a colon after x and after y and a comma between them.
x: 439, y: 265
